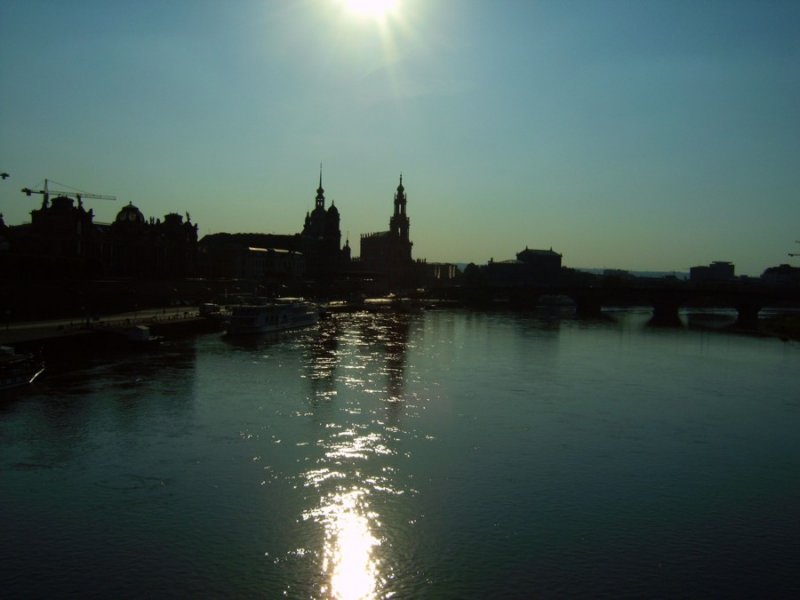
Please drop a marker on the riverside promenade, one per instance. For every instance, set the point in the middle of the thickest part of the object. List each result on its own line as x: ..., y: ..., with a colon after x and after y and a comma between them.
x: 77, y: 330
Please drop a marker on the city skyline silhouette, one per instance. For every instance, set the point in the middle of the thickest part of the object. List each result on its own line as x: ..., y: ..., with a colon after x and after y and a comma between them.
x: 653, y: 136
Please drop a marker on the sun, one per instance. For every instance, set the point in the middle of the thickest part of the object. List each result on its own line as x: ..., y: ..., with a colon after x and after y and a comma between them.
x: 373, y: 9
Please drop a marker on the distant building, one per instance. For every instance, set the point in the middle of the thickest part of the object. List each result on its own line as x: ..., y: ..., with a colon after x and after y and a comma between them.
x: 541, y: 262
x: 388, y: 253
x: 715, y: 272
x: 532, y: 267
x: 438, y: 274
x: 617, y: 274
x: 227, y: 255
x: 321, y: 240
x: 63, y: 241
x: 314, y: 253
x: 782, y: 275
x: 137, y: 247
x: 271, y: 264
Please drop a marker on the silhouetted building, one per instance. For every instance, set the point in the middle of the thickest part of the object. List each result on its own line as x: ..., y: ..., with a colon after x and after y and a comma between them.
x: 62, y: 240
x: 321, y: 240
x: 439, y: 274
x: 271, y: 264
x: 151, y: 248
x: 231, y: 254
x: 782, y: 275
x: 388, y: 253
x: 532, y: 267
x: 715, y: 272
x: 226, y: 255
x: 617, y: 274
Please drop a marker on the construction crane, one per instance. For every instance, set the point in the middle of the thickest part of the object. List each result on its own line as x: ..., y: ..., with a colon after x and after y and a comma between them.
x: 46, y: 192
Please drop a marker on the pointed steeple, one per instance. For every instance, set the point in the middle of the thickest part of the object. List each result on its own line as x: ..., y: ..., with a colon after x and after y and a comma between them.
x: 400, y: 199
x: 320, y: 191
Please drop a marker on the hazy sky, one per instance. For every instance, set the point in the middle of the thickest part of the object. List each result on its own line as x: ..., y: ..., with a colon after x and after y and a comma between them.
x: 623, y: 133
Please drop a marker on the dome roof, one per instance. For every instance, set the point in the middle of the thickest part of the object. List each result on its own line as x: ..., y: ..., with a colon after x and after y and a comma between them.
x: 130, y: 214
x: 332, y: 210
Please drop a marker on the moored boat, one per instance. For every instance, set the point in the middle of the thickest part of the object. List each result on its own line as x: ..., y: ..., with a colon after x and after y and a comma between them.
x: 17, y: 370
x: 246, y: 319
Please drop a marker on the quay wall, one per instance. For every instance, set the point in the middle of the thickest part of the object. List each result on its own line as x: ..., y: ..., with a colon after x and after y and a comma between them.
x: 57, y: 299
x: 57, y: 339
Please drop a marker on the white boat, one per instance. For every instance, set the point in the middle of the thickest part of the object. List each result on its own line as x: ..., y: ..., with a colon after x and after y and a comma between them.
x: 246, y: 319
x: 17, y: 370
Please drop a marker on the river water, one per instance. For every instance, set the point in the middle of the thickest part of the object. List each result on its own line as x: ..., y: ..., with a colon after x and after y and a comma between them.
x: 445, y: 454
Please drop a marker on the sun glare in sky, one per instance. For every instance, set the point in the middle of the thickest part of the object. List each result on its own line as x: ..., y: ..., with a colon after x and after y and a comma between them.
x: 374, y: 9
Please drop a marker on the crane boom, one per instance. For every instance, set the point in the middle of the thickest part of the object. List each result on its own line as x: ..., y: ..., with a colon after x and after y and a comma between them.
x: 46, y: 192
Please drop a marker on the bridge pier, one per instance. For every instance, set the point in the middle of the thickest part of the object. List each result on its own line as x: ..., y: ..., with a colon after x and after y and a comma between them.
x: 748, y: 314
x: 665, y: 314
x: 587, y: 307
x: 523, y: 300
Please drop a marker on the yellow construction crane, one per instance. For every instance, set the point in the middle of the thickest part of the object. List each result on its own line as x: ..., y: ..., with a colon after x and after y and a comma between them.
x: 46, y: 192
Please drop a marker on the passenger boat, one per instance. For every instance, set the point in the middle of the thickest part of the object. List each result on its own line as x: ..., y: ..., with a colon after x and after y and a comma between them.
x: 278, y: 315
x: 17, y: 370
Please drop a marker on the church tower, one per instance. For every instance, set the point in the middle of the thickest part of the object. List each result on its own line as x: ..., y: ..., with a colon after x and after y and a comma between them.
x: 321, y: 238
x: 320, y: 193
x: 399, y: 226
x: 388, y: 253
x: 316, y: 223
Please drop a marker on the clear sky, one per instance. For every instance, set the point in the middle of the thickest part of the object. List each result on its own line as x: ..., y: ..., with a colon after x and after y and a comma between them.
x: 648, y: 135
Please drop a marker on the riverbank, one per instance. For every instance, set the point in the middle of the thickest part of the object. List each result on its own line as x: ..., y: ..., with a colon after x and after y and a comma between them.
x: 785, y: 327
x: 65, y: 334
x: 172, y: 321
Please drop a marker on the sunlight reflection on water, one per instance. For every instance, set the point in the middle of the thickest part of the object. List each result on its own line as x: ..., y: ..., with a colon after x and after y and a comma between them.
x: 350, y: 568
x: 349, y: 477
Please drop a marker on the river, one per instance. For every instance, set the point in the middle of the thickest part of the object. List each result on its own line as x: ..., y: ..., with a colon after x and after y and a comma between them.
x: 445, y: 454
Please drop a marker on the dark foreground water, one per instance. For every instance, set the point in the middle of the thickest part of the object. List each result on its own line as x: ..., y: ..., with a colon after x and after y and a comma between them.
x: 440, y: 455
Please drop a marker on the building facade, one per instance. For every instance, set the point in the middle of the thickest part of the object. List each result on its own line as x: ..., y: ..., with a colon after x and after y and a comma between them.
x: 321, y: 240
x: 388, y: 253
x: 532, y: 267
x: 782, y: 275
x: 63, y: 241
x: 271, y: 264
x: 139, y: 247
x: 313, y: 254
x: 715, y: 272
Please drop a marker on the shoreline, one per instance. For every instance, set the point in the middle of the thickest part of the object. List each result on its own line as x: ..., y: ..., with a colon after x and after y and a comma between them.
x: 171, y: 321
x: 785, y: 327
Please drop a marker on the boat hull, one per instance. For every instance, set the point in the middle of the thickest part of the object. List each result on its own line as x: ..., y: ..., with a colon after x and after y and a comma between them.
x: 270, y: 318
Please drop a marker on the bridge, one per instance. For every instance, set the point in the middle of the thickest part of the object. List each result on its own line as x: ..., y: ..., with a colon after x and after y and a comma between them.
x: 665, y: 296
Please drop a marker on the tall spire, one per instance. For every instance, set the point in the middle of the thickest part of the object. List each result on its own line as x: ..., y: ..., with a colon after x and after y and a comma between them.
x: 400, y: 199
x: 320, y: 191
